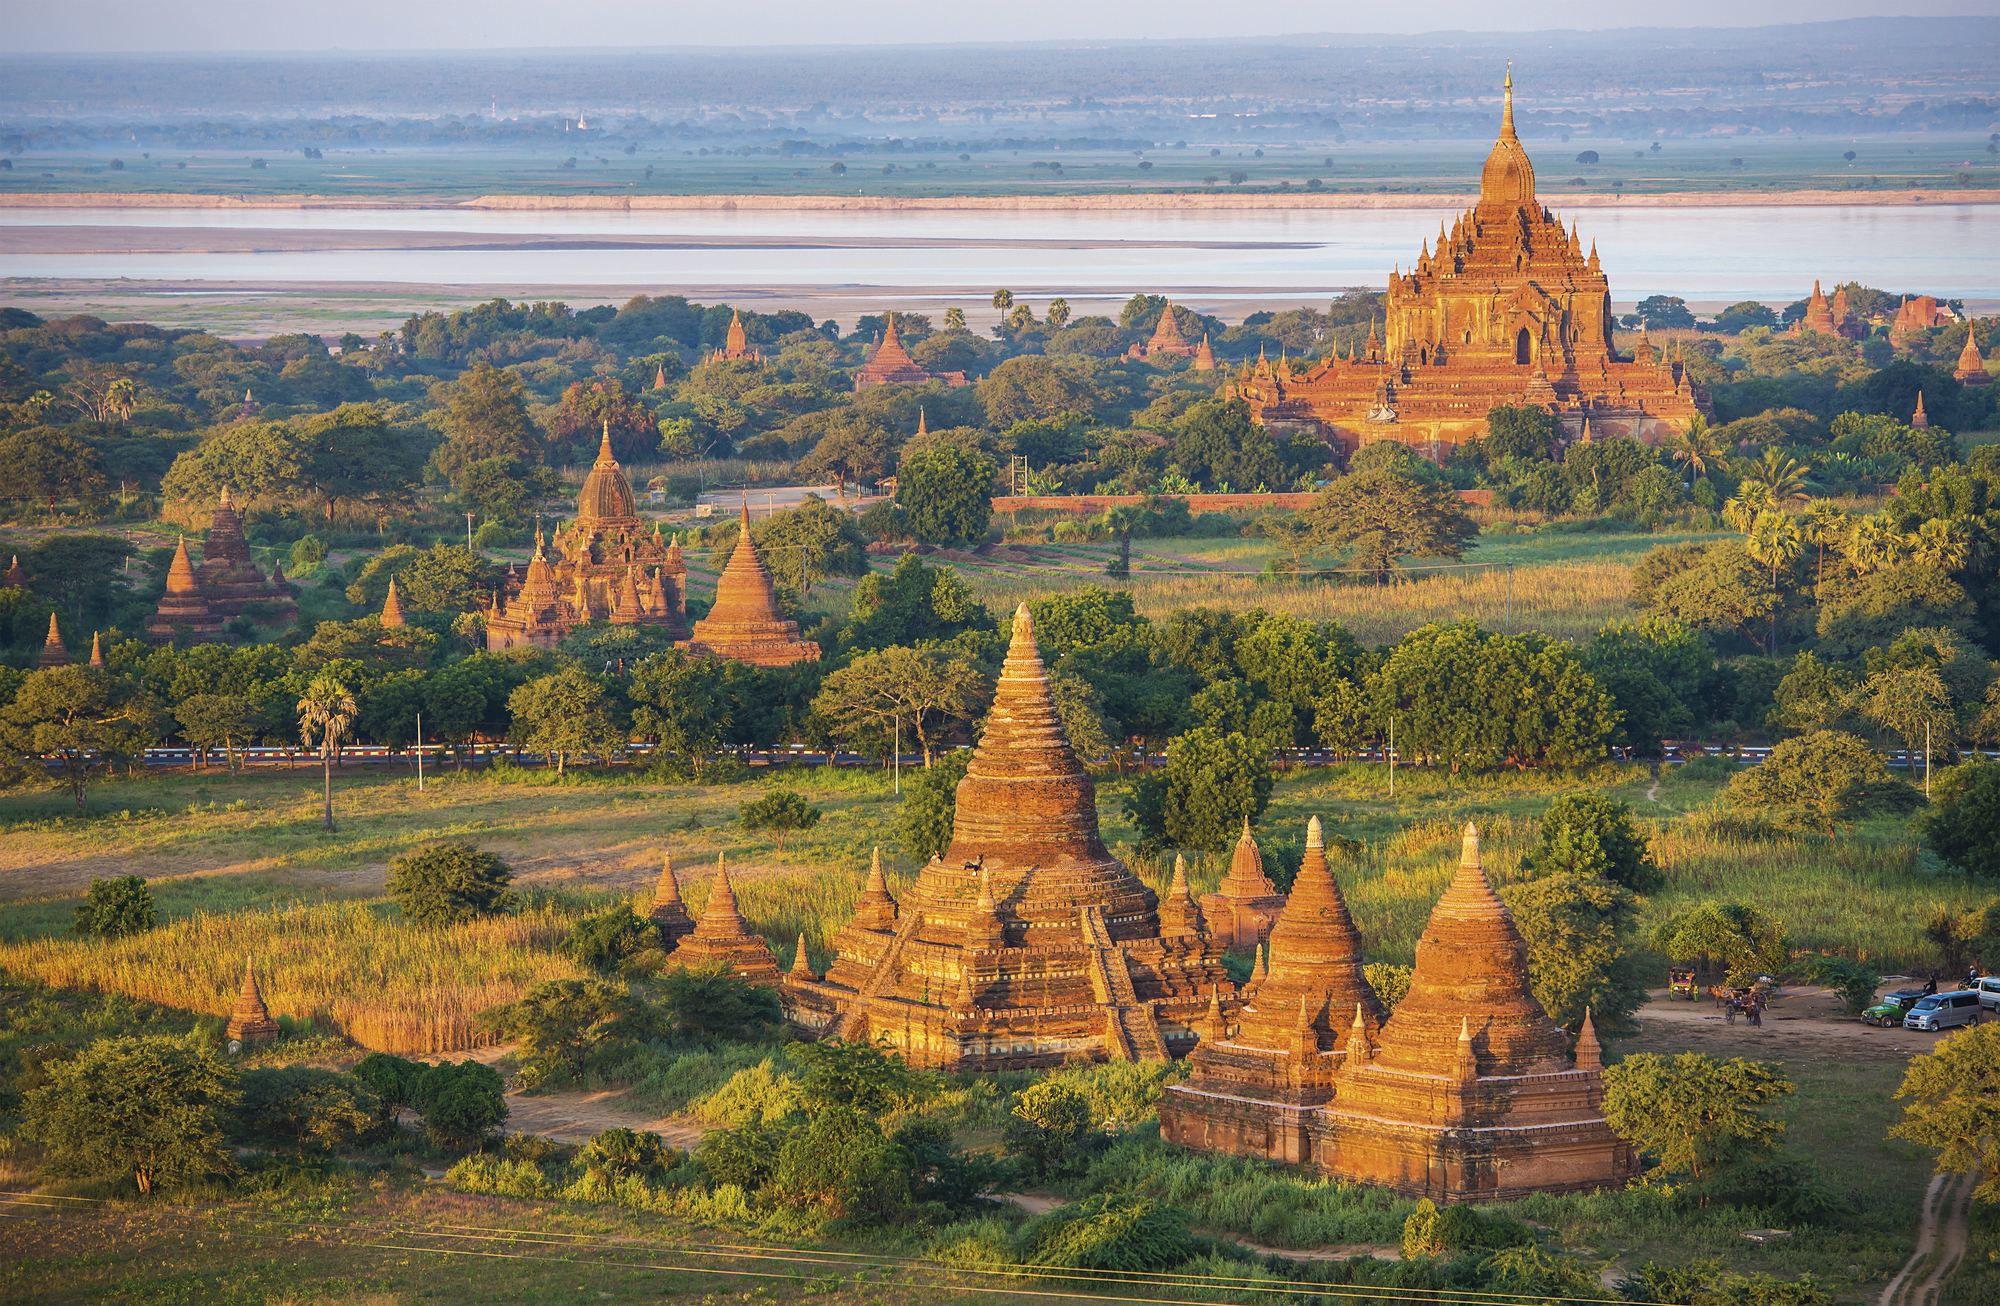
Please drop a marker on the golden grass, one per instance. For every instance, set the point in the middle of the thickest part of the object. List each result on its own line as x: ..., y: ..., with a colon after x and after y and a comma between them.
x: 388, y: 985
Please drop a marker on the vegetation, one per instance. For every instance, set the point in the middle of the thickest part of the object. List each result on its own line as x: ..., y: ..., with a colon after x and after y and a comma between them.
x: 451, y: 884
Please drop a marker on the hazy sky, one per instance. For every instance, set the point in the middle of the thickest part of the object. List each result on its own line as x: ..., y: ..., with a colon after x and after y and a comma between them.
x: 242, y: 25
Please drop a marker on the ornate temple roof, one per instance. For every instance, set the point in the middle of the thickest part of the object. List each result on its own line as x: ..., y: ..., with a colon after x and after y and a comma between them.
x: 1315, y: 955
x: 392, y: 607
x: 745, y: 621
x: 1508, y: 179
x: 54, y: 653
x: 606, y: 495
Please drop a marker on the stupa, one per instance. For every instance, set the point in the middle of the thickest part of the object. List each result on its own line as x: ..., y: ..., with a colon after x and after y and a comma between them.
x: 1026, y: 943
x: 606, y: 566
x: 669, y: 913
x: 251, y: 1021
x: 745, y: 624
x: 231, y: 581
x: 1467, y: 1093
x: 1246, y: 904
x: 1971, y: 369
x: 1204, y: 357
x: 1920, y: 420
x: 1915, y: 317
x: 1509, y: 309
x: 97, y: 649
x: 54, y: 654
x: 723, y: 938
x: 1257, y: 1080
x: 736, y: 346
x: 891, y: 364
x: 183, y: 608
x: 1167, y: 343
x: 17, y: 576
x: 392, y: 607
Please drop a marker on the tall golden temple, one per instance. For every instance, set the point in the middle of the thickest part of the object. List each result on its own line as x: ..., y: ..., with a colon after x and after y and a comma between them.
x: 1509, y: 309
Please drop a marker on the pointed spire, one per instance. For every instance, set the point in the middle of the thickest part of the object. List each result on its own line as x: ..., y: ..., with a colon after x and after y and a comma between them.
x: 97, y: 650
x: 1468, y: 1059
x: 721, y: 898
x: 1218, y: 1027
x: 668, y: 911
x: 965, y: 1000
x: 801, y: 968
x: 225, y: 497
x: 1589, y: 1052
x: 604, y: 458
x: 921, y: 428
x: 250, y: 1020
x: 1507, y: 109
x: 1918, y: 420
x: 1359, y: 1047
x: 180, y: 574
x: 53, y: 652
x: 875, y: 909
x: 392, y: 609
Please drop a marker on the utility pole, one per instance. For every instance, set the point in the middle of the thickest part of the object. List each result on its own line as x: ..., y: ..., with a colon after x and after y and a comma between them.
x: 898, y: 764
x: 468, y: 531
x: 420, y: 752
x: 1392, y: 757
x: 1510, y: 600
x: 1927, y: 760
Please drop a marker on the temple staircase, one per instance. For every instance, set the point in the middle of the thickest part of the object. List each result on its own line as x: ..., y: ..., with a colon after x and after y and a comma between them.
x: 881, y: 981
x: 1131, y: 1031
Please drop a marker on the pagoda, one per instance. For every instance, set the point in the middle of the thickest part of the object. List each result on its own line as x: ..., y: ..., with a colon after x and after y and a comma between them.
x: 669, y: 913
x: 1026, y: 944
x: 97, y: 649
x: 231, y: 581
x: 1204, y: 357
x: 250, y: 1021
x: 736, y: 346
x: 606, y: 566
x: 183, y: 606
x: 1920, y: 420
x: 54, y: 653
x: 1167, y: 343
x: 1246, y: 904
x: 1257, y: 1080
x: 1508, y: 309
x: 17, y: 576
x: 744, y: 623
x: 392, y: 608
x: 1971, y: 369
x: 891, y: 364
x: 723, y: 938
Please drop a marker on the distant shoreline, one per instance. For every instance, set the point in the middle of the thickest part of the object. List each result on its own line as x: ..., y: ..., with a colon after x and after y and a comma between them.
x: 993, y: 203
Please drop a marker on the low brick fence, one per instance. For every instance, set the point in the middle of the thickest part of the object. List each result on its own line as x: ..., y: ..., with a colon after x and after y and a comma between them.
x: 1197, y: 503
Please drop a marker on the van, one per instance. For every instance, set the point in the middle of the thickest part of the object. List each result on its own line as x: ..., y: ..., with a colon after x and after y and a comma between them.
x: 1989, y: 992
x: 1945, y: 1011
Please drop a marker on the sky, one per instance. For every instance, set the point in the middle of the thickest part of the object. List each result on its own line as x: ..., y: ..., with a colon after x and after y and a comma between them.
x: 258, y: 25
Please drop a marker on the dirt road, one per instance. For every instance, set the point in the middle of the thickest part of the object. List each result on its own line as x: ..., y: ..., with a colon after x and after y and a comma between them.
x: 1943, y: 1230
x: 1806, y: 1024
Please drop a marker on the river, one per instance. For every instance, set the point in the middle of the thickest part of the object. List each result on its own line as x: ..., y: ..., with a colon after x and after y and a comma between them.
x: 1712, y: 255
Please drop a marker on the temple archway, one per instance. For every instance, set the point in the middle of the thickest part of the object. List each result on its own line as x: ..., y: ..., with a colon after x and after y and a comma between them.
x: 1524, y: 347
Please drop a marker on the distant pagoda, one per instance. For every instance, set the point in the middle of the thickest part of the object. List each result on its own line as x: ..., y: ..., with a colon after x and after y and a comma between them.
x: 184, y: 607
x: 745, y: 624
x: 250, y: 1021
x: 723, y: 938
x: 54, y: 653
x: 231, y: 580
x: 891, y: 364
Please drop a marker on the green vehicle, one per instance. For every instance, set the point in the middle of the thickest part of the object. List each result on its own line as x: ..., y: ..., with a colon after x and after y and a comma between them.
x: 1889, y: 1012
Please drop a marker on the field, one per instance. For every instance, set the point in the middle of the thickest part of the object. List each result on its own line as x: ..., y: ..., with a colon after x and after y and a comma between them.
x: 1930, y: 161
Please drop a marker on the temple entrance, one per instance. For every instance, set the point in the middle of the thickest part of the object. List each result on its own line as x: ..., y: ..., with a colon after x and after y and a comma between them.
x: 1523, y: 347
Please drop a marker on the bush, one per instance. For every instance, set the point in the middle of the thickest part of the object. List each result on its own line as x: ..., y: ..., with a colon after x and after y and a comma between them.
x: 1963, y: 826
x: 624, y: 1154
x: 1822, y: 781
x: 460, y: 1103
x: 930, y: 804
x: 116, y: 908
x: 1046, y: 1126
x: 1593, y: 834
x: 450, y: 884
x: 707, y: 1002
x: 305, y: 1107
x: 560, y: 1021
x: 782, y: 811
x: 1210, y: 783
x: 611, y: 937
x: 1108, y: 1231
x: 391, y: 1079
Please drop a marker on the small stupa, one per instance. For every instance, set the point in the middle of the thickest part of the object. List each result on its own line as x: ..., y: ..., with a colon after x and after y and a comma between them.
x: 183, y: 606
x: 669, y: 912
x: 392, y: 607
x: 1246, y: 904
x: 54, y: 654
x: 723, y: 937
x: 745, y: 624
x: 251, y: 1021
x: 1971, y: 369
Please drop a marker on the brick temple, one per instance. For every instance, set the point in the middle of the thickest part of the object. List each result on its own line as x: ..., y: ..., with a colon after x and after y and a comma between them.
x: 184, y: 610
x: 745, y: 623
x: 1027, y: 943
x: 1509, y: 309
x: 1467, y: 1092
x: 605, y: 566
x: 230, y: 579
x: 891, y: 364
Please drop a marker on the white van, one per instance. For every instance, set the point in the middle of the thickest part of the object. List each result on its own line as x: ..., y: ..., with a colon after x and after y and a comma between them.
x: 1945, y: 1011
x: 1989, y: 992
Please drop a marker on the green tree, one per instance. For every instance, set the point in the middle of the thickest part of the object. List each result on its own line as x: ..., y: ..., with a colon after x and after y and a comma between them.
x: 1654, y: 670
x: 391, y: 1079
x: 1594, y: 834
x: 947, y: 495
x: 1963, y: 826
x: 44, y: 465
x: 1045, y: 1126
x: 460, y: 1103
x: 1775, y: 542
x: 930, y: 803
x: 1813, y: 696
x: 567, y: 712
x: 77, y: 716
x: 1461, y: 696
x: 912, y: 604
x: 929, y: 691
x: 451, y: 883
x: 1578, y: 928
x: 152, y: 1107
x: 611, y: 937
x: 1695, y: 447
x: 1824, y: 780
x: 682, y: 701
x: 1954, y: 1107
x: 708, y: 1002
x: 505, y: 489
x: 115, y: 908
x: 1666, y: 313
x: 486, y: 419
x: 1744, y: 940
x: 1210, y: 787
x: 305, y: 1107
x: 559, y: 1022
x: 1913, y: 704
x: 839, y: 1075
x: 326, y: 711
x: 1381, y: 515
x: 1034, y: 388
x: 780, y: 810
x: 1721, y: 587
x: 587, y: 411
x: 1528, y: 432
x: 231, y: 720
x: 855, y: 447
x: 620, y: 1153
x: 1854, y: 981
x: 1693, y: 1112
x: 77, y: 570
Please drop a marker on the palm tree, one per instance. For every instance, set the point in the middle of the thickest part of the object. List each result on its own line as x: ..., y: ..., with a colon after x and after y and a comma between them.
x: 1942, y: 542
x: 1874, y: 544
x: 1785, y: 476
x: 1003, y: 299
x: 1695, y: 446
x: 1823, y: 524
x: 325, y: 713
x: 1058, y: 313
x: 1751, y: 498
x: 1774, y: 541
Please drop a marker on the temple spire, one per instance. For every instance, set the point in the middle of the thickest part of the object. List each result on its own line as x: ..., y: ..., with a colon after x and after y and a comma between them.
x: 1507, y: 109
x: 801, y: 968
x: 1589, y: 1052
x: 97, y: 649
x: 54, y: 654
x: 392, y: 608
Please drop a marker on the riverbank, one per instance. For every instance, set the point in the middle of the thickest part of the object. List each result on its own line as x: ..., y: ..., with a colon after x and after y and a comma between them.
x: 1199, y: 200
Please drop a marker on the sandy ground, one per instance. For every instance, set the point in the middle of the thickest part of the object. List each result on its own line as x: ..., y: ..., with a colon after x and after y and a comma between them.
x: 1802, y: 1024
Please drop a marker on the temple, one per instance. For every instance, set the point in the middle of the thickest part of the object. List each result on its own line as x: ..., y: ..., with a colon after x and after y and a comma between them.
x: 723, y: 938
x: 669, y: 913
x: 891, y: 364
x: 606, y: 567
x: 1508, y: 310
x: 1915, y: 317
x: 1246, y: 904
x: 1467, y: 1092
x: 1971, y: 369
x: 736, y: 347
x: 17, y: 576
x: 1026, y: 944
x: 744, y: 623
x: 54, y: 652
x: 1167, y: 343
x: 231, y: 581
x: 250, y: 1021
x: 184, y: 612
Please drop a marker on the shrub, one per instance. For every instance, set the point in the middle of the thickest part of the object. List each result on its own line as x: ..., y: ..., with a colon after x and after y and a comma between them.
x: 610, y: 937
x: 708, y: 1002
x: 116, y: 908
x: 460, y: 1103
x: 151, y: 1107
x: 1108, y: 1231
x: 560, y: 1021
x: 1390, y: 981
x: 930, y: 804
x: 839, y: 1165
x: 1593, y: 834
x: 624, y: 1154
x: 450, y: 884
x: 305, y: 1107
x: 1210, y: 783
x: 391, y: 1079
x: 1964, y: 825
x: 1047, y: 1123
x: 780, y: 810
x: 1822, y: 781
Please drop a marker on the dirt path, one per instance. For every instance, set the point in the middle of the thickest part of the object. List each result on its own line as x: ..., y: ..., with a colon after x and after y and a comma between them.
x: 1941, y: 1229
x: 1807, y: 1024
x: 572, y: 1117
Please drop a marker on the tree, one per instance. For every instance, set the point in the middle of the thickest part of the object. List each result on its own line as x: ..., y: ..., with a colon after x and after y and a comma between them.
x: 809, y: 543
x: 444, y: 578
x: 1462, y: 696
x: 1693, y: 1112
x: 1058, y: 314
x: 1813, y: 696
x: 930, y: 804
x: 207, y: 720
x: 391, y: 1079
x: 78, y: 568
x: 1528, y: 432
x: 460, y: 1103
x: 1721, y: 587
x: 1666, y: 312
x: 839, y: 1075
x: 1382, y: 515
x: 505, y: 489
x: 43, y: 464
x: 1963, y: 826
x: 1594, y: 834
x: 1211, y: 785
x: 682, y: 701
x: 581, y: 418
x: 306, y: 1107
x: 486, y: 418
x: 567, y: 712
x: 326, y: 712
x: 914, y: 603
x: 705, y: 1002
x: 1578, y: 927
x: 1954, y: 1107
x: 1913, y: 704
x: 782, y: 811
x: 450, y: 884
x: 1824, y: 780
x: 115, y: 908
x: 855, y: 447
x: 1003, y: 299
x: 1219, y: 443
x: 1033, y: 387
x: 1695, y: 447
x: 620, y: 1153
x: 1045, y: 1126
x: 75, y: 716
x: 1742, y: 939
x: 611, y: 937
x: 946, y: 494
x: 151, y: 1106
x: 930, y: 691
x: 559, y: 1021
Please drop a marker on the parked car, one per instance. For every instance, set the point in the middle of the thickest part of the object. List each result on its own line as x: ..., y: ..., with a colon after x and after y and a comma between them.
x: 1945, y: 1011
x: 1891, y: 1010
x: 1989, y: 992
